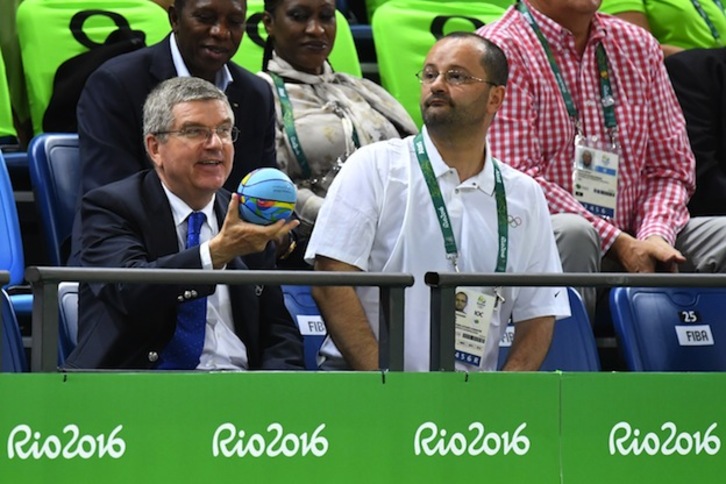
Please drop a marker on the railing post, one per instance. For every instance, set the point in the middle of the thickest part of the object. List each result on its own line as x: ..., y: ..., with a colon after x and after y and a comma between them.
x: 44, y: 353
x: 4, y: 279
x: 442, y: 329
x: 391, y: 334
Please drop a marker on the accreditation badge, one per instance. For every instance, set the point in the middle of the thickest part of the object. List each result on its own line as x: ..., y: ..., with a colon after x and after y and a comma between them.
x: 474, y: 310
x: 595, y: 179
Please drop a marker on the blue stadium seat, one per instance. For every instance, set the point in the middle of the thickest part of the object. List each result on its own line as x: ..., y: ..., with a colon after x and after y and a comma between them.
x: 573, y: 345
x: 305, y: 313
x: 671, y: 329
x: 67, y: 319
x: 55, y: 173
x: 13, y: 354
x: 11, y: 253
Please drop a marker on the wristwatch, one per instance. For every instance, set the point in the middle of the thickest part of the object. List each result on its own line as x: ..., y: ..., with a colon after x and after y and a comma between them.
x: 292, y: 244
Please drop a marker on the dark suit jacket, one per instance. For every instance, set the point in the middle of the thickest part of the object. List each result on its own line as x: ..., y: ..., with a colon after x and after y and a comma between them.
x: 699, y: 79
x: 110, y: 117
x: 130, y: 224
x: 110, y: 120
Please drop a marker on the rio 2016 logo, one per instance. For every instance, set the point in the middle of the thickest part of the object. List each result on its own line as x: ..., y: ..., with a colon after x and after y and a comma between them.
x: 230, y: 442
x: 429, y: 440
x: 625, y: 440
x: 24, y: 443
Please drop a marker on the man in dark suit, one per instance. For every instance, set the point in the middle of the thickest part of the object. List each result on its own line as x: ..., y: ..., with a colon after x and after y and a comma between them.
x: 205, y: 35
x: 143, y: 221
x: 699, y: 79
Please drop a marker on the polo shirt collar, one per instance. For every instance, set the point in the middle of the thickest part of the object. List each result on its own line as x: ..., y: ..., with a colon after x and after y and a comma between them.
x: 484, y: 180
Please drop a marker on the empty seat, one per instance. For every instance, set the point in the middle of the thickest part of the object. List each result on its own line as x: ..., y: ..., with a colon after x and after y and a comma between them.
x: 671, y: 329
x: 405, y: 30
x: 55, y: 171
x: 67, y: 319
x: 46, y: 40
x: 305, y: 313
x: 13, y: 354
x: 12, y: 258
x: 7, y: 129
x: 573, y: 345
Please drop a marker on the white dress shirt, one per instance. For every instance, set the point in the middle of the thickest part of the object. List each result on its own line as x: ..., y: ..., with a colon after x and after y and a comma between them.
x: 222, y: 79
x: 223, y: 350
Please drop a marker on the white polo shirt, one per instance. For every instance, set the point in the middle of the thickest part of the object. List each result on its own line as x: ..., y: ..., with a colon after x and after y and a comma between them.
x: 378, y: 216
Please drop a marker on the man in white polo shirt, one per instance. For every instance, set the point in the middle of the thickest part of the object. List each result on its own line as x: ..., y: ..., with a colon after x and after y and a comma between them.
x: 438, y: 201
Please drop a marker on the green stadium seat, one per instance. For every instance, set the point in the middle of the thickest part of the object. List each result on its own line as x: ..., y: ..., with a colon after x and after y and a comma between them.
x: 405, y: 30
x: 372, y: 6
x: 505, y: 4
x: 7, y: 129
x: 46, y: 40
x: 343, y: 57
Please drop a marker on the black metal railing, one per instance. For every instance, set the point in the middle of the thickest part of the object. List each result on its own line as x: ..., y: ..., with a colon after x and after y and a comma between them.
x: 45, y: 280
x: 443, y: 286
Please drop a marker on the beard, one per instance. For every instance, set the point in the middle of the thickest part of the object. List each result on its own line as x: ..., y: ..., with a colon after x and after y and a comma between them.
x: 438, y: 116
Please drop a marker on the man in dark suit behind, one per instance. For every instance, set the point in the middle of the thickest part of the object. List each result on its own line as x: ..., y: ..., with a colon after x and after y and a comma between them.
x: 142, y: 221
x: 205, y: 35
x: 699, y: 80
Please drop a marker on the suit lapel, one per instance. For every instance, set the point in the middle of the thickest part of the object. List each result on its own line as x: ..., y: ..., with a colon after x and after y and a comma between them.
x: 163, y: 232
x: 162, y: 65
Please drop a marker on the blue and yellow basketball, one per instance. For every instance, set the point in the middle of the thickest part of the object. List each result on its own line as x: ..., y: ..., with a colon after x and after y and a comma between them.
x: 266, y: 196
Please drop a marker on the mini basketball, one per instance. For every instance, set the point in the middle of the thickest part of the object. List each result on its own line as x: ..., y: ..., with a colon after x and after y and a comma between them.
x: 266, y: 196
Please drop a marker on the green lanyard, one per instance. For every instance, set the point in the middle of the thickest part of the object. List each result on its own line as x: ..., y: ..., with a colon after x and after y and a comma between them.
x: 606, y: 92
x: 442, y: 215
x: 289, y: 122
x: 709, y: 22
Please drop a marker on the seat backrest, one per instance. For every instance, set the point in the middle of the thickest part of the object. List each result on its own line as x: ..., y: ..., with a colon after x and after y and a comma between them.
x: 7, y: 129
x: 46, y: 40
x: 55, y: 172
x: 670, y: 329
x: 405, y: 30
x: 67, y: 319
x: 372, y: 6
x: 11, y: 245
x: 13, y: 354
x: 304, y: 311
x: 343, y: 57
x: 573, y: 345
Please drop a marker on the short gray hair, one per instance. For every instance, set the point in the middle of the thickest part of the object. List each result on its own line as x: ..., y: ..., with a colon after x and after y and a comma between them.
x: 159, y: 104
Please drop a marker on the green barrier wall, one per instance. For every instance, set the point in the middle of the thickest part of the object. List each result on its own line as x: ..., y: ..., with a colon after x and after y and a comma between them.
x: 643, y: 428
x: 363, y: 427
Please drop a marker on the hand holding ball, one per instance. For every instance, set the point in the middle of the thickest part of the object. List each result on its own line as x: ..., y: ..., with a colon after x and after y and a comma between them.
x: 266, y: 196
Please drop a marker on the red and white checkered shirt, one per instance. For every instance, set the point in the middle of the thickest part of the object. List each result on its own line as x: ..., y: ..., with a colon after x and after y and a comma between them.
x: 533, y: 132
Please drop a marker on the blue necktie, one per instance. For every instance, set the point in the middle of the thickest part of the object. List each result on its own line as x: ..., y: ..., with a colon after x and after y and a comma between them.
x: 185, y: 347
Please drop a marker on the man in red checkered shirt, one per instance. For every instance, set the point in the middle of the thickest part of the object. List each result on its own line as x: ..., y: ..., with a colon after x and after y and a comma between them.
x: 590, y: 114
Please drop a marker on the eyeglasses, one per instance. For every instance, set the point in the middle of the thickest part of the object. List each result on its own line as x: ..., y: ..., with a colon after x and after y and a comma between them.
x: 199, y: 134
x: 452, y: 77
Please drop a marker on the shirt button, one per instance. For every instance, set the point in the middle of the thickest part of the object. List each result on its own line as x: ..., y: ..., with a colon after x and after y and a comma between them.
x: 194, y: 293
x: 153, y: 356
x: 456, y: 190
x: 180, y: 299
x: 187, y: 294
